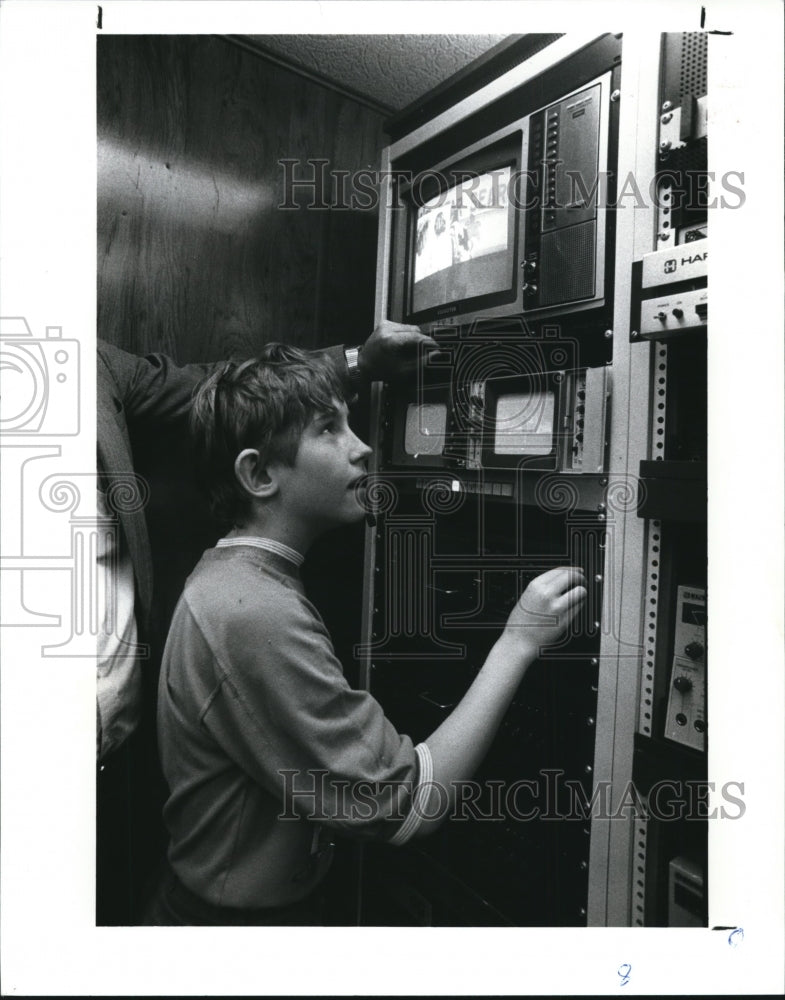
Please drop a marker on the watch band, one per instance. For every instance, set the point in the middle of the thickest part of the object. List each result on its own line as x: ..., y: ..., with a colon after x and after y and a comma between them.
x: 352, y: 355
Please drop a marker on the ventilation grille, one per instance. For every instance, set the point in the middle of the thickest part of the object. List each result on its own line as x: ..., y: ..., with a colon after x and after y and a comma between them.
x: 694, y: 57
x: 684, y: 66
x: 692, y: 157
x: 567, y: 265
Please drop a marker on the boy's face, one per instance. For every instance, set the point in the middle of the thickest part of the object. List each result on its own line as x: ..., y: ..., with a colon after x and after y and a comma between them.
x: 320, y: 489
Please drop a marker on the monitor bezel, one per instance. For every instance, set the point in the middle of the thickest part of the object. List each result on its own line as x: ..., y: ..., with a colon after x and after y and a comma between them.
x: 539, y: 382
x: 419, y: 396
x: 505, y: 148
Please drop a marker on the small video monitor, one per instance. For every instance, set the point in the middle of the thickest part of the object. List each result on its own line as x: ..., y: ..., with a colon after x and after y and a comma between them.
x: 524, y: 423
x: 426, y: 429
x: 422, y: 428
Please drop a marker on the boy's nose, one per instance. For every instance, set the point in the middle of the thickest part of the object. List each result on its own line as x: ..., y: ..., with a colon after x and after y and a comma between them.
x: 360, y: 450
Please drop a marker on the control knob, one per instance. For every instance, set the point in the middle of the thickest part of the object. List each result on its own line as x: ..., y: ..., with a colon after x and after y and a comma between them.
x: 694, y: 650
x: 682, y: 684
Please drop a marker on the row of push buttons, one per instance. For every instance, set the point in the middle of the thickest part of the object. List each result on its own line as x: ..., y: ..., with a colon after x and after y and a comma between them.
x: 551, y: 157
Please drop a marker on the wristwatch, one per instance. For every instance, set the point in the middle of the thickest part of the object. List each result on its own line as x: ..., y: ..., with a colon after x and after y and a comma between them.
x: 352, y: 355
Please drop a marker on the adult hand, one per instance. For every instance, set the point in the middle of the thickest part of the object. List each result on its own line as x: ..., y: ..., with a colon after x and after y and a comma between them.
x: 391, y: 349
x: 545, y: 609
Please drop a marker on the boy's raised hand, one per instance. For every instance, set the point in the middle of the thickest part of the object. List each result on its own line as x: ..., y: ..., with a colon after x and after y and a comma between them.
x: 545, y: 609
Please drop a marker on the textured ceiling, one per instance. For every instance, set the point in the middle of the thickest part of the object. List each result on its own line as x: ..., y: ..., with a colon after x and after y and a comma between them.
x: 389, y: 70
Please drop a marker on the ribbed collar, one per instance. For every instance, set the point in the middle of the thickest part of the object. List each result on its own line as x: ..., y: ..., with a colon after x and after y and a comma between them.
x: 263, y: 543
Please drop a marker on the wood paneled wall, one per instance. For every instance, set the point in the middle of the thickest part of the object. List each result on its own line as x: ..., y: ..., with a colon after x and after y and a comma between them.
x: 195, y: 257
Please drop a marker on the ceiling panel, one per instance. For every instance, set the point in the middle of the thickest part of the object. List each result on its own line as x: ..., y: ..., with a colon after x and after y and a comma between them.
x: 390, y: 71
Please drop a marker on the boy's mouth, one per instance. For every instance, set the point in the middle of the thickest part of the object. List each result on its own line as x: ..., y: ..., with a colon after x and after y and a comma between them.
x: 359, y: 487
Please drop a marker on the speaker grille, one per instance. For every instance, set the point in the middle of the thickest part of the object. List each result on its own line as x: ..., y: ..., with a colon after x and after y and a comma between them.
x: 684, y: 66
x: 694, y: 58
x: 567, y: 265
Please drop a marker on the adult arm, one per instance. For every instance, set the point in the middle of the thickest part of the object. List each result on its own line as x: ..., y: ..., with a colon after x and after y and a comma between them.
x: 154, y: 388
x: 150, y: 387
x: 392, y: 349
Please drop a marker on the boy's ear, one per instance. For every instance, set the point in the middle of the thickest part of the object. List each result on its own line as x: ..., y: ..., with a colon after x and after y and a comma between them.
x: 253, y: 476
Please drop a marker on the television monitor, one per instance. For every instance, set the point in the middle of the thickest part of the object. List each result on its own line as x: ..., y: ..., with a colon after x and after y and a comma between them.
x: 422, y: 425
x: 555, y: 420
x: 523, y: 417
x: 524, y: 423
x: 512, y: 225
x: 464, y: 243
x: 458, y: 238
x: 425, y: 430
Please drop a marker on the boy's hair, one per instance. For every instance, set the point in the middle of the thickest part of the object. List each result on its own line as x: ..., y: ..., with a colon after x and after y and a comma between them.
x: 263, y: 403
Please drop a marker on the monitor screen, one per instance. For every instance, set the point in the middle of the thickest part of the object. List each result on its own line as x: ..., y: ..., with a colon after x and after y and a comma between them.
x: 524, y: 423
x: 464, y: 244
x: 426, y: 428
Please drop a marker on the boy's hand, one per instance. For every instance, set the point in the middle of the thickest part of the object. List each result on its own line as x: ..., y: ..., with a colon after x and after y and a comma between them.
x: 545, y: 609
x: 391, y: 349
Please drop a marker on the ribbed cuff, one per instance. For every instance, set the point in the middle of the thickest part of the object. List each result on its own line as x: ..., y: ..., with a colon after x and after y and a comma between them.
x: 422, y: 791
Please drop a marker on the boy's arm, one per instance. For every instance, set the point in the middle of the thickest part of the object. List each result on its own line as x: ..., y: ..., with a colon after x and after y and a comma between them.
x: 541, y: 615
x: 286, y: 708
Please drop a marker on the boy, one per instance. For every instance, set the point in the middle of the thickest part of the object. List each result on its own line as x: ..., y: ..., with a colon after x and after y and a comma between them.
x: 141, y: 399
x: 264, y: 746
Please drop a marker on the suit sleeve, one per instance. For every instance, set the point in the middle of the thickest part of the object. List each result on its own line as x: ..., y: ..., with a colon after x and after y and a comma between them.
x: 153, y: 388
